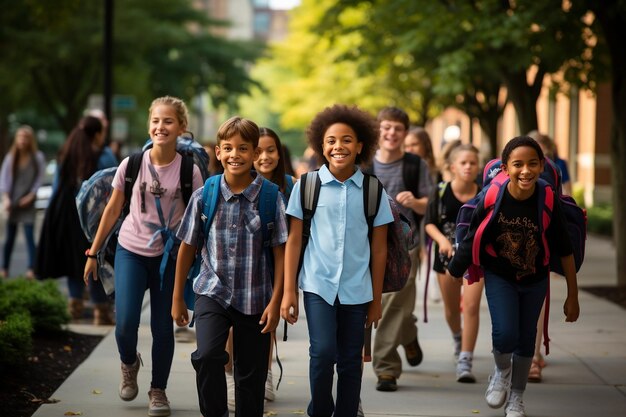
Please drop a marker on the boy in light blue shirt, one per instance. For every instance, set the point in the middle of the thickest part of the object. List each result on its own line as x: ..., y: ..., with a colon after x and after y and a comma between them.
x: 342, y: 272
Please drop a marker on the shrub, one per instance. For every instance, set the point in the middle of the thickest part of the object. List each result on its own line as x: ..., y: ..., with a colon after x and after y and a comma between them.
x: 600, y: 220
x: 15, y: 339
x: 42, y: 300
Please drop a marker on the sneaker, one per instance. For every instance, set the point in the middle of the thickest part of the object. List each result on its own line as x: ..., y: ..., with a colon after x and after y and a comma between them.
x: 269, y: 387
x: 128, y: 387
x: 359, y: 412
x: 515, y: 406
x: 534, y: 374
x: 159, y: 405
x: 386, y: 383
x: 414, y: 353
x: 184, y: 335
x: 230, y: 391
x: 464, y: 370
x: 498, y: 389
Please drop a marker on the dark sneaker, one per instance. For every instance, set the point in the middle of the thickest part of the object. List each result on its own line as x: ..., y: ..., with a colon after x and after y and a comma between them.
x: 386, y: 383
x: 414, y: 353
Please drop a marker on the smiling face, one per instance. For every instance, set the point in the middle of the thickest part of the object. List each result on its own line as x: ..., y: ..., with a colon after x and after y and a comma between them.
x: 392, y: 134
x: 341, y: 147
x: 524, y: 167
x: 413, y: 145
x: 236, y: 155
x: 269, y: 156
x: 164, y: 126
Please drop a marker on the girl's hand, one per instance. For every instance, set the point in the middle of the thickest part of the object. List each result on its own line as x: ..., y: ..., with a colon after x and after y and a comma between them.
x: 26, y: 201
x: 374, y: 313
x: 6, y: 202
x: 91, y: 268
x: 270, y: 318
x: 289, y: 307
x: 571, y: 309
x: 446, y: 249
x: 179, y: 312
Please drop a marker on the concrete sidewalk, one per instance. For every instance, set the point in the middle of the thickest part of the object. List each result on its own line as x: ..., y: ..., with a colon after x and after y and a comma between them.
x: 585, y: 376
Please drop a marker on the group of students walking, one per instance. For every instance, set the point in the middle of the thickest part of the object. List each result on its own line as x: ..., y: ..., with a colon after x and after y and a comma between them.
x: 244, y: 289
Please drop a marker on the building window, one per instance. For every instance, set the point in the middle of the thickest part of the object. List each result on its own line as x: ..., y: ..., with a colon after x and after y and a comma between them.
x: 262, y: 23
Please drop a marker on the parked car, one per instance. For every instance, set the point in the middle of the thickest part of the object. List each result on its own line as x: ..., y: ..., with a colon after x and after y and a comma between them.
x: 45, y: 191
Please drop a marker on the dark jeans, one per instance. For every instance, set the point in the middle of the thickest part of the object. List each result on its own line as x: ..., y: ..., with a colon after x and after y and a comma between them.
x: 336, y: 334
x: 133, y: 275
x: 9, y: 242
x: 514, y: 310
x: 251, y: 348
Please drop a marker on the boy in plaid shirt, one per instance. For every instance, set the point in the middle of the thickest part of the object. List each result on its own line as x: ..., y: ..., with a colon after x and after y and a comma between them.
x: 234, y: 287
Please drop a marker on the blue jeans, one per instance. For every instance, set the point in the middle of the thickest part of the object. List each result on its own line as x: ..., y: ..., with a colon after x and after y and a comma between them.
x: 76, y: 288
x: 336, y: 334
x: 514, y: 310
x: 134, y: 274
x: 251, y: 349
x: 10, y: 242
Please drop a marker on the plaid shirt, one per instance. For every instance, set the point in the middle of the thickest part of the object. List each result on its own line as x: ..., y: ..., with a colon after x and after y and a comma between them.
x: 234, y: 270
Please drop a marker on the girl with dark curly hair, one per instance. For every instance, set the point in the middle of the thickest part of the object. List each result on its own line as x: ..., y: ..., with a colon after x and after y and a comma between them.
x: 341, y: 274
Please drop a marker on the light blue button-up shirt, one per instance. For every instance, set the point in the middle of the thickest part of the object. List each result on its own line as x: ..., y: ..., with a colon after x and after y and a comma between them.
x: 336, y: 260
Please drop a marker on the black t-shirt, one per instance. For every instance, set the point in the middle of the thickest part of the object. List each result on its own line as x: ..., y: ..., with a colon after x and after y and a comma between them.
x: 515, y: 235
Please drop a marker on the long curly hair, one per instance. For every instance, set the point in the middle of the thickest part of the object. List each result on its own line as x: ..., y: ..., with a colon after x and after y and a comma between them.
x: 78, y: 157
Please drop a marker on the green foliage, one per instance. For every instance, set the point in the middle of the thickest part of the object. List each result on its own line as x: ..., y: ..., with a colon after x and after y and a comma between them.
x: 15, y: 339
x: 53, y: 61
x: 41, y: 300
x: 600, y: 220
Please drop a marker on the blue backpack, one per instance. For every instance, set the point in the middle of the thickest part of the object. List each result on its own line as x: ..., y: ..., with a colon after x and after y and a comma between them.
x: 210, y: 197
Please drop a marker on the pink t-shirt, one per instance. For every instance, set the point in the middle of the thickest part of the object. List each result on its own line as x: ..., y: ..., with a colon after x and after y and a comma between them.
x: 138, y: 233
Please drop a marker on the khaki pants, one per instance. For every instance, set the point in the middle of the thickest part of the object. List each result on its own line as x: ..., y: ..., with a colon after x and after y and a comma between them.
x: 397, y: 326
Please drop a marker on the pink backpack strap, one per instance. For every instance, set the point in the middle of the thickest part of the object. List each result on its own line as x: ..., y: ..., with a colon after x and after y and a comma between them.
x: 489, y: 202
x: 546, y: 217
x: 546, y: 320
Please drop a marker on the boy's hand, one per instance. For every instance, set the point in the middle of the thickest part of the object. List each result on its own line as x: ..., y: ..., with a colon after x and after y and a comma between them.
x: 270, y: 318
x: 374, y: 313
x: 289, y: 307
x: 179, y: 312
x: 571, y: 309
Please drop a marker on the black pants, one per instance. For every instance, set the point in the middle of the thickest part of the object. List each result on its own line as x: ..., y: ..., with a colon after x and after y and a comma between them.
x: 250, y: 351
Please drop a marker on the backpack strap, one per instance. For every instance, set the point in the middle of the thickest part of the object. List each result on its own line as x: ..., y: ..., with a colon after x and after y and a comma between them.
x: 288, y: 186
x: 132, y: 171
x: 411, y: 172
x: 210, y: 197
x: 267, y: 212
x: 186, y: 177
x: 310, y: 184
x: 491, y: 203
x: 372, y: 193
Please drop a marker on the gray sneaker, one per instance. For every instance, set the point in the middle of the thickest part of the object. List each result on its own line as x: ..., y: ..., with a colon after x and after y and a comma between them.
x: 128, y: 387
x: 464, y: 370
x: 159, y: 405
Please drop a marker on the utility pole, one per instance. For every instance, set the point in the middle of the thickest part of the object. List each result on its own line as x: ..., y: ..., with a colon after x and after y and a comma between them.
x: 108, y: 64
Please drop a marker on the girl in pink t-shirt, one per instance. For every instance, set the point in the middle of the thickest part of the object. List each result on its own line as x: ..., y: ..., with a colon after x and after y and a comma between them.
x: 156, y: 208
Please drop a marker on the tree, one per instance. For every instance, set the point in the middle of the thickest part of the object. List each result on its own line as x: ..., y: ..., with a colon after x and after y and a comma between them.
x: 160, y: 47
x: 611, y: 16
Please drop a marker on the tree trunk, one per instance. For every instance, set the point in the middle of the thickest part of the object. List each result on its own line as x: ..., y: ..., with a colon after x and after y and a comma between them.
x: 611, y: 15
x: 524, y: 97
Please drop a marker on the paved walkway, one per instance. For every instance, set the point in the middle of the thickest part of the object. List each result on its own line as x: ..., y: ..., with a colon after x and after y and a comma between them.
x: 585, y: 376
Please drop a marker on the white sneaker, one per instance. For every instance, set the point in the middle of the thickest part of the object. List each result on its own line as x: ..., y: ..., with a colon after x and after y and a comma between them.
x: 230, y: 391
x: 464, y: 370
x: 129, y: 389
x: 159, y: 404
x: 498, y: 389
x: 269, y: 387
x: 515, y: 406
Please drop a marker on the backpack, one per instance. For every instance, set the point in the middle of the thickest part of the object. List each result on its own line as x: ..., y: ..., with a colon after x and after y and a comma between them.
x: 575, y: 217
x: 210, y: 197
x: 94, y: 194
x: 410, y: 177
x: 399, y: 234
